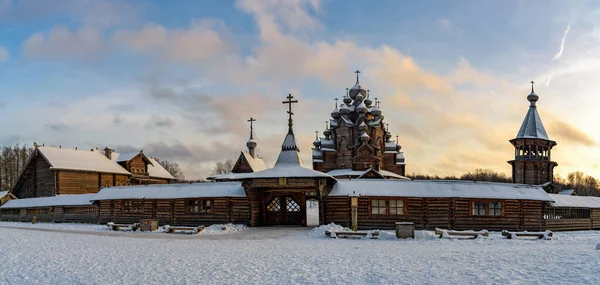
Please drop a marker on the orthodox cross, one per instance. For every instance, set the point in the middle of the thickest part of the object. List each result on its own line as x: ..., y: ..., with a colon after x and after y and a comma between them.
x: 336, y: 99
x: 357, y: 72
x: 251, y: 127
x: 290, y: 102
x: 368, y: 93
x: 316, y: 135
x: 347, y: 89
x: 397, y: 139
x: 532, y: 86
x: 387, y: 127
x: 377, y: 102
x: 327, y: 125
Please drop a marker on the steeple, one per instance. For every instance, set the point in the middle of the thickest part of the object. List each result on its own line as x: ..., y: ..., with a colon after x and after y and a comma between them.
x: 251, y: 144
x: 290, y: 153
x: 533, y: 161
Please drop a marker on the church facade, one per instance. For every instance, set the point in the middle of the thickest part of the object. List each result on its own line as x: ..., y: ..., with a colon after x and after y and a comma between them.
x: 355, y: 158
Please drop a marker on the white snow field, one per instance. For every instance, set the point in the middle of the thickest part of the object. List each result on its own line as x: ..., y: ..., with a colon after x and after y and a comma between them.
x: 86, y: 254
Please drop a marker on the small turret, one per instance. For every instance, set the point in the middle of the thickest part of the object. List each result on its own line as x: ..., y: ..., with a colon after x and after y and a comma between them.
x: 335, y: 113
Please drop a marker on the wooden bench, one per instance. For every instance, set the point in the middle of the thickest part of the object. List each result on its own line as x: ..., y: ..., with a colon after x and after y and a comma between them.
x: 187, y: 230
x: 471, y: 234
x: 129, y: 227
x: 374, y: 234
x: 539, y: 235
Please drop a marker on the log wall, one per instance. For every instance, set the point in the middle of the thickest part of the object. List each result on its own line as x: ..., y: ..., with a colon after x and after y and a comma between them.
x: 66, y: 214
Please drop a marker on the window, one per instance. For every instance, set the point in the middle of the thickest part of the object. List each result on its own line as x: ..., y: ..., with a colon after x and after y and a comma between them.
x: 199, y: 206
x: 478, y: 208
x: 486, y: 208
x: 133, y: 207
x: 396, y: 207
x: 378, y: 207
x: 494, y: 209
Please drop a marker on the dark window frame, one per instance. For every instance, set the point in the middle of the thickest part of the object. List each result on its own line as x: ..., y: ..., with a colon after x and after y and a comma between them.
x: 387, y: 206
x: 132, y: 206
x: 199, y: 206
x: 486, y: 208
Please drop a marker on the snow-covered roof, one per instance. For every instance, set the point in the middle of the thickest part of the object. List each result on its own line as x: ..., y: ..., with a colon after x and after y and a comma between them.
x: 85, y: 160
x: 60, y: 200
x: 532, y: 126
x: 284, y: 171
x: 567, y: 201
x: 126, y: 156
x: 357, y: 173
x: 567, y: 192
x: 224, y: 176
x: 439, y: 189
x: 290, y: 154
x: 157, y: 171
x: 3, y: 193
x: 172, y: 191
x: 256, y: 163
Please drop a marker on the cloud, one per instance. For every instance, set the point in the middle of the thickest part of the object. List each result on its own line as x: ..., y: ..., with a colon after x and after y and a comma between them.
x: 61, y: 42
x: 58, y: 127
x: 4, y: 55
x: 449, y: 26
x: 199, y: 42
x: 159, y: 122
x: 558, y: 55
x: 569, y: 133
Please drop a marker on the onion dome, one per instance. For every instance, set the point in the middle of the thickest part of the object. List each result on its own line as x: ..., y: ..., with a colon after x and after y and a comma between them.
x: 361, y: 108
x: 398, y: 147
x: 532, y: 97
x: 251, y: 143
x: 317, y: 142
x: 388, y: 136
x: 327, y: 133
x: 347, y: 100
x: 359, y: 98
x: 368, y: 102
x: 344, y: 110
x: 335, y: 113
x: 375, y: 111
x: 357, y: 89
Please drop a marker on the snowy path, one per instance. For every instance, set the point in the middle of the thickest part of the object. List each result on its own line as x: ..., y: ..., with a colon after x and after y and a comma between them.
x: 291, y: 256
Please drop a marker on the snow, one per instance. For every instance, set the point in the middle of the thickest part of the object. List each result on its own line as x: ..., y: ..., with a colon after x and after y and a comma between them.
x: 293, y: 256
x: 126, y: 156
x: 284, y: 171
x: 71, y: 159
x: 3, y: 193
x: 439, y: 189
x: 256, y: 163
x: 172, y: 191
x: 60, y: 200
x: 567, y: 201
x: 156, y: 170
x: 357, y: 173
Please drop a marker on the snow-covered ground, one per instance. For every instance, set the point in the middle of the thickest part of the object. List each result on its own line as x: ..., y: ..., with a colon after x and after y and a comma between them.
x: 288, y: 255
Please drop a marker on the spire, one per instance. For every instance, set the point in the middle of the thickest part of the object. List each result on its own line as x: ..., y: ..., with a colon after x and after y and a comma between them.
x: 290, y: 153
x: 251, y: 144
x: 532, y: 126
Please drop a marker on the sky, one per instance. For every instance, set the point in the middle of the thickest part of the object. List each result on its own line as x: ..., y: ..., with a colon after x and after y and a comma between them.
x: 179, y: 79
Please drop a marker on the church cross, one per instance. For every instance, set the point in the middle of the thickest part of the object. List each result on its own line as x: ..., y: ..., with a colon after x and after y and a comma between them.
x: 316, y: 135
x: 532, y: 86
x: 397, y: 139
x: 377, y: 102
x: 336, y: 100
x: 290, y: 102
x: 387, y: 126
x: 251, y: 120
x: 347, y: 90
x: 357, y: 73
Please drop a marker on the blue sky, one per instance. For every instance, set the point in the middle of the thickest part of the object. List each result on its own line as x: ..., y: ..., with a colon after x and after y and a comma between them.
x: 179, y: 78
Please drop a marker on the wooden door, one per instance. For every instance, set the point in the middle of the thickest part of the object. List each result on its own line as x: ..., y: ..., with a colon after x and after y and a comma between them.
x: 284, y: 210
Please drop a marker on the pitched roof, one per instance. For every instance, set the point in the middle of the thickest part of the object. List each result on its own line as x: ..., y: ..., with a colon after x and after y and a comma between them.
x: 568, y: 201
x: 532, y: 126
x: 357, y: 173
x: 85, y: 160
x: 289, y: 163
x: 256, y: 163
x: 3, y: 193
x: 439, y: 189
x: 158, y: 171
x: 60, y: 200
x: 126, y: 156
x: 172, y: 191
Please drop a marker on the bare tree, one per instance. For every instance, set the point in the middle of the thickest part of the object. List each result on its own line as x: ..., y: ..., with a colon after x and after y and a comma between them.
x: 12, y: 162
x: 223, y: 167
x: 173, y: 168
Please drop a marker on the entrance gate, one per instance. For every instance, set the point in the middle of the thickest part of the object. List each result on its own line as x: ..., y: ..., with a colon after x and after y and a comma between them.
x: 284, y: 209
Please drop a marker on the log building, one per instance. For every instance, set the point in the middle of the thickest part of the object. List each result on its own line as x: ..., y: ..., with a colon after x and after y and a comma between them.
x: 52, y: 171
x: 355, y: 158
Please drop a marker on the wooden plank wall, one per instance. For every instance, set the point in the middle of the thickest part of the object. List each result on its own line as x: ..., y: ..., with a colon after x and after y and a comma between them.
x: 595, y: 219
x: 172, y: 212
x: 428, y: 213
x: 67, y: 214
x: 72, y: 182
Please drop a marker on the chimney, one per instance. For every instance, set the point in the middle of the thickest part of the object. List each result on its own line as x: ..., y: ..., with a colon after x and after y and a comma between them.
x: 108, y: 152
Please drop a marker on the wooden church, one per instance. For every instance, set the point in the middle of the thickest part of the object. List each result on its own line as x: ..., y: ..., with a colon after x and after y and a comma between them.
x: 355, y: 158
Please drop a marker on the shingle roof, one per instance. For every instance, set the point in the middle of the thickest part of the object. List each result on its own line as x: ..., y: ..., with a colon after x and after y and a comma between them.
x: 532, y: 126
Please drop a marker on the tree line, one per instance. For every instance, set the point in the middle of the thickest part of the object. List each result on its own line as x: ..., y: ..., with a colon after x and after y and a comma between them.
x: 584, y: 185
